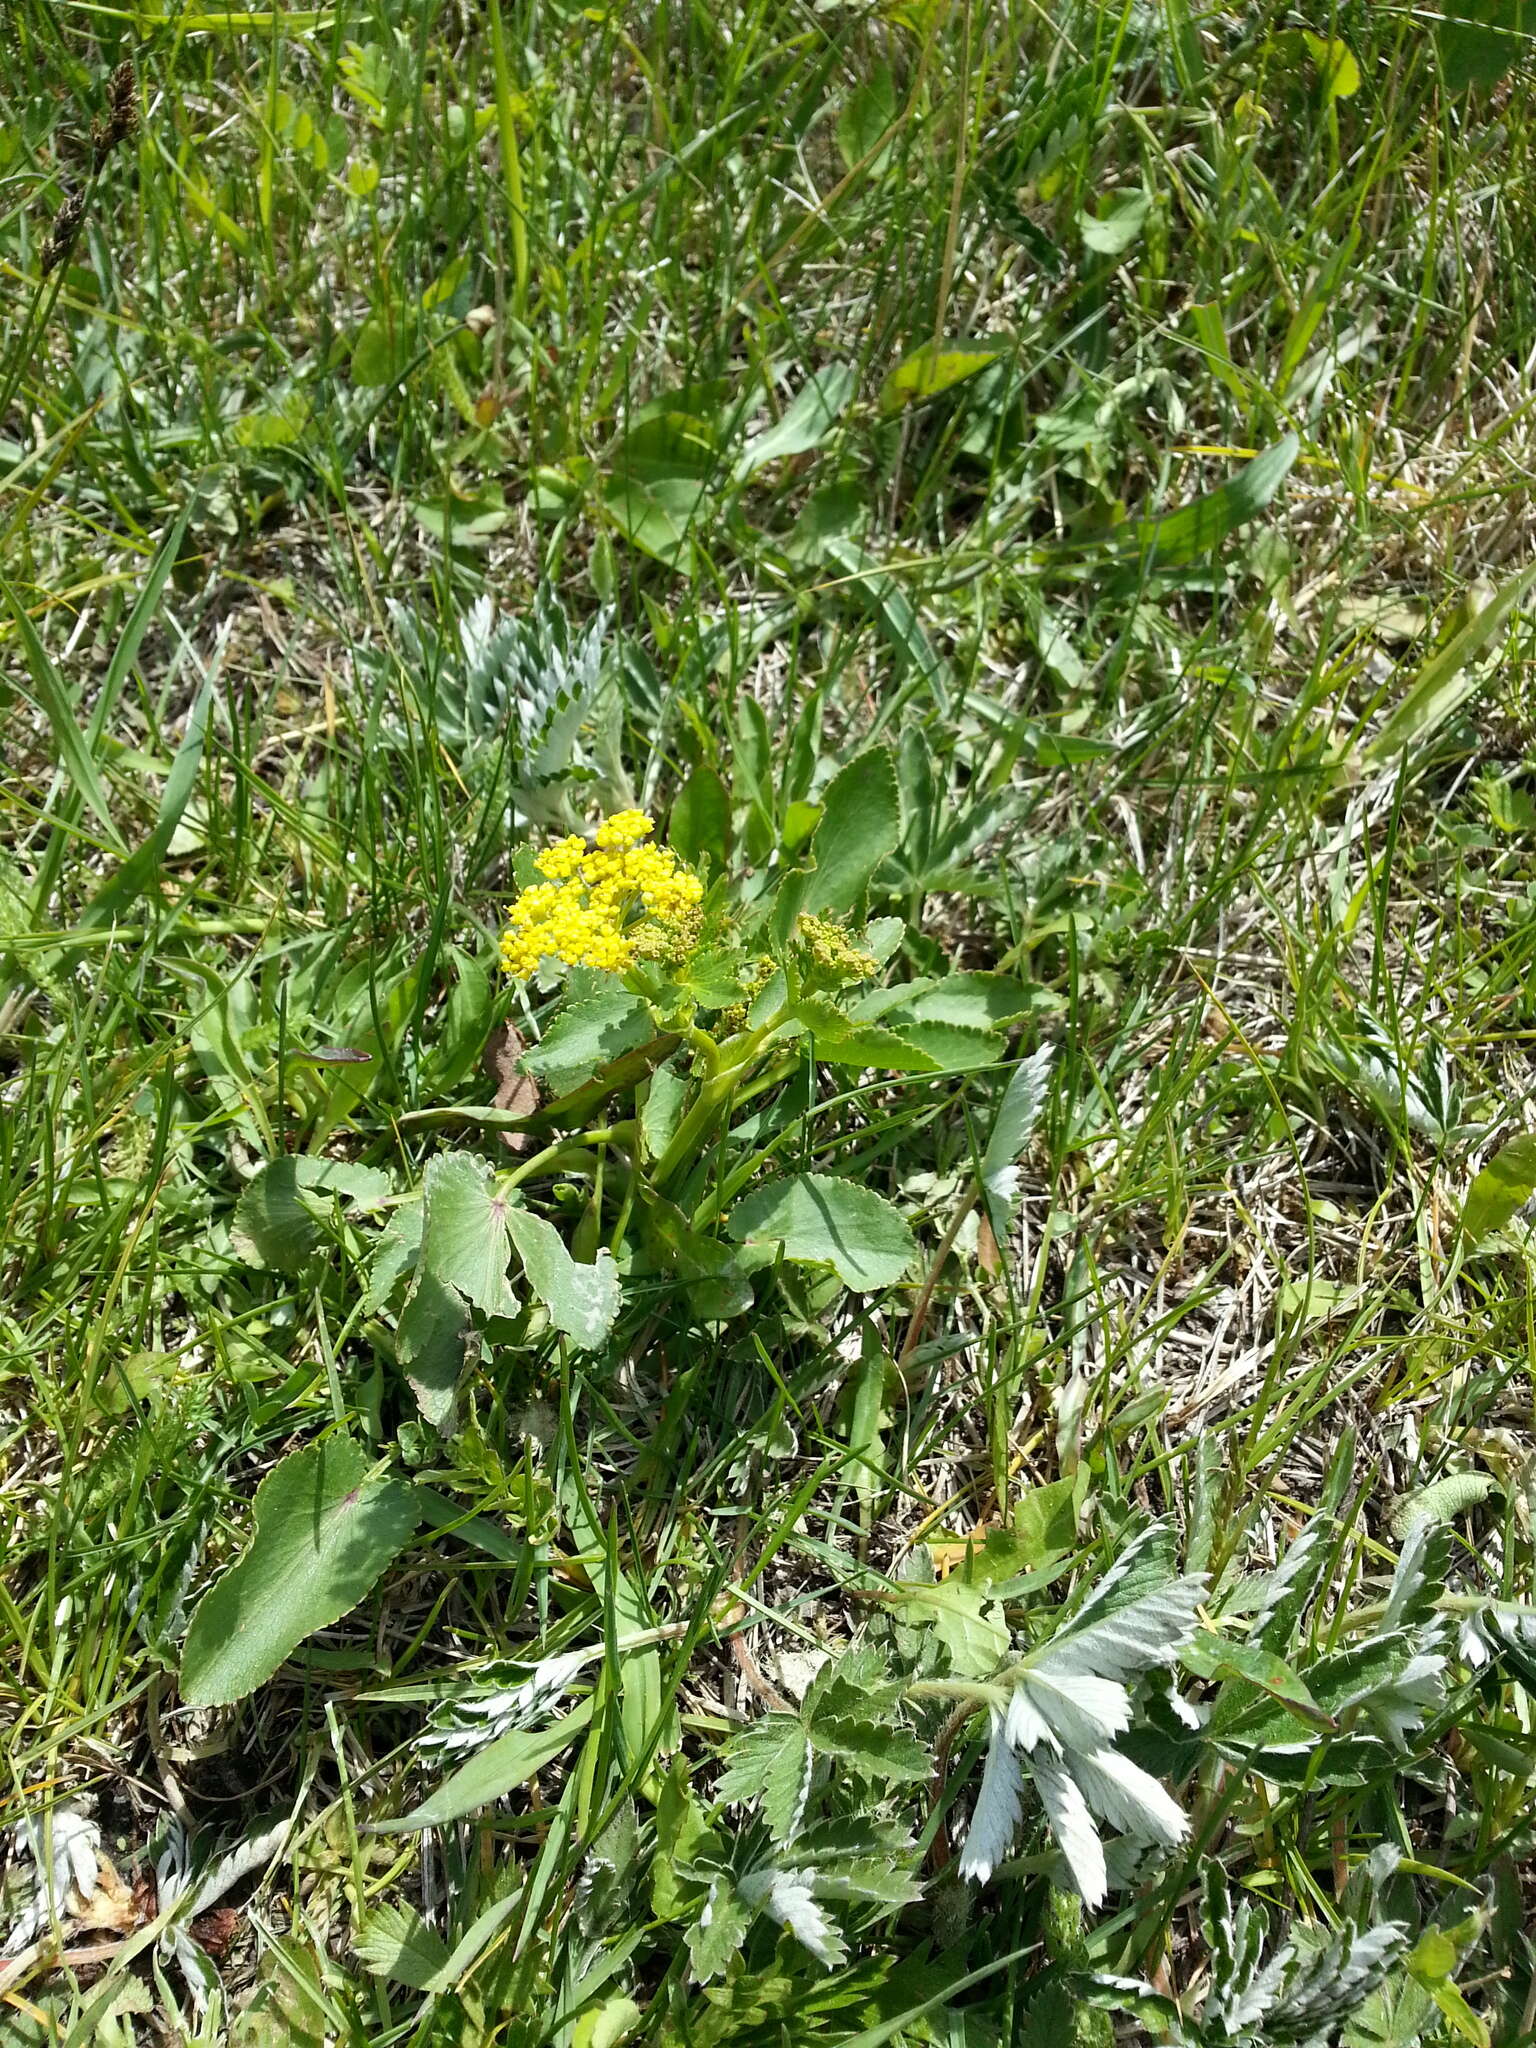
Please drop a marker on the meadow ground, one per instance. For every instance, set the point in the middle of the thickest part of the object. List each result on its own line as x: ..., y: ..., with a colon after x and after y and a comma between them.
x: 934, y: 1446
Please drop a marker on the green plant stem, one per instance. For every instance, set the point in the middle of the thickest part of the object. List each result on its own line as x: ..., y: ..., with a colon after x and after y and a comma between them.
x: 511, y: 161
x: 565, y: 1157
x: 714, y: 1099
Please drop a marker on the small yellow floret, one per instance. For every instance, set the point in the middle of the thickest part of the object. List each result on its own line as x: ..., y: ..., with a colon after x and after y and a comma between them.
x: 624, y: 829
x: 561, y: 860
x: 832, y: 949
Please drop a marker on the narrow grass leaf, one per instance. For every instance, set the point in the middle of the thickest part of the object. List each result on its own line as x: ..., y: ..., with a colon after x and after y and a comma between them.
x: 53, y: 696
x: 893, y: 613
x: 1446, y: 680
x: 511, y: 1760
x: 138, y: 622
x: 866, y: 1420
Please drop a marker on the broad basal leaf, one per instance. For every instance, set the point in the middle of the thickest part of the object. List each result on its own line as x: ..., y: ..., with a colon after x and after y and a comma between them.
x: 462, y: 1264
x: 582, y: 1300
x: 841, y: 1041
x: 933, y: 368
x: 656, y: 513
x: 823, y: 1221
x: 1199, y: 528
x: 953, y: 1048
x: 965, y: 1618
x: 1211, y: 1656
x: 394, y: 1941
x: 1441, y: 1501
x: 278, y: 1217
x: 323, y: 1533
x: 1503, y: 1187
x: 431, y: 1340
x: 805, y: 423
x: 1337, y: 68
x: 464, y: 1232
x: 984, y: 1002
x: 1480, y: 40
x: 1113, y: 231
x: 860, y: 824
x: 586, y: 1036
x: 700, y: 824
x: 1447, y: 679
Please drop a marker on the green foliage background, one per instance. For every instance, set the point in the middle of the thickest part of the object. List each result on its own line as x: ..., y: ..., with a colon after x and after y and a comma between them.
x: 1057, y: 482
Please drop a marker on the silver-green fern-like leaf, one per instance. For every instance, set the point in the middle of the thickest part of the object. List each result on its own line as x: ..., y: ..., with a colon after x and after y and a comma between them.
x: 1070, y: 1702
x: 528, y: 683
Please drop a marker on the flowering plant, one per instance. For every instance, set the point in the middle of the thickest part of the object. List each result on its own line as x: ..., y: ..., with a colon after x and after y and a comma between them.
x: 687, y: 1001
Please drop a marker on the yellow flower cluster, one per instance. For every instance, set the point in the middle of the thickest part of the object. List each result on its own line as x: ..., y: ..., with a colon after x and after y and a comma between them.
x: 596, y: 905
x: 832, y: 949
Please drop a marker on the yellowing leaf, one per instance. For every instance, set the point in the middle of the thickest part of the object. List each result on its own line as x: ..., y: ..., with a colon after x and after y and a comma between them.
x: 1336, y: 65
x: 931, y: 369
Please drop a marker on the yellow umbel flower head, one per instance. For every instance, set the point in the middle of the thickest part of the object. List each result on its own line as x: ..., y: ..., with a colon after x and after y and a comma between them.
x: 832, y: 949
x: 605, y: 905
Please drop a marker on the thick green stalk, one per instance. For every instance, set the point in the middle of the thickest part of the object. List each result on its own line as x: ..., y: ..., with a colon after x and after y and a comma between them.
x: 714, y: 1099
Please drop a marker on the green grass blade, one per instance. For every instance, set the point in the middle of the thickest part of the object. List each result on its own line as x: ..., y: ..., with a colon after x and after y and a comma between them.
x: 54, y: 696
x: 1446, y: 680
